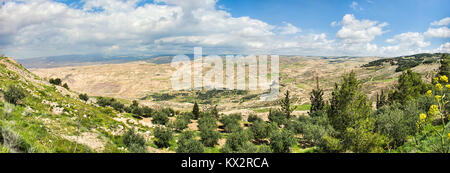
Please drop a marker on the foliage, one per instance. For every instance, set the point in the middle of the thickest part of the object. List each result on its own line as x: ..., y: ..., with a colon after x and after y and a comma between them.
x: 56, y: 81
x: 181, y: 123
x: 14, y: 94
x: 286, y: 107
x: 317, y: 102
x: 231, y: 122
x: 252, y: 118
x: 188, y: 144
x: 208, y: 134
x: 65, y: 86
x: 262, y: 130
x: 444, y: 69
x: 196, y: 111
x: 410, y: 86
x: 160, y: 118
x: 83, y: 97
x: 236, y: 142
x: 163, y: 137
x: 277, y: 116
x: 134, y: 141
x: 281, y: 141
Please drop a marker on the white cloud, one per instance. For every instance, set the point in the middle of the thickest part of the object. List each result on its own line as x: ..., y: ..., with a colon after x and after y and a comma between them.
x: 288, y: 29
x: 442, y: 32
x: 444, y: 48
x: 359, y: 31
x: 442, y: 22
x: 355, y: 6
x: 405, y: 43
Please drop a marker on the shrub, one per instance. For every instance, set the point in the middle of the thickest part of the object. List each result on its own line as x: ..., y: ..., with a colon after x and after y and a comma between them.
x: 134, y: 142
x: 181, y: 123
x: 160, y: 118
x: 65, y: 86
x: 253, y: 118
x: 168, y: 111
x: 237, y: 142
x: 196, y: 111
x: 207, y: 123
x: 188, y: 144
x: 286, y: 107
x: 209, y: 137
x: 261, y: 130
x: 12, y: 140
x: 84, y: 97
x: 163, y: 137
x: 231, y: 122
x: 14, y: 94
x: 56, y: 81
x: 281, y: 141
x: 277, y: 116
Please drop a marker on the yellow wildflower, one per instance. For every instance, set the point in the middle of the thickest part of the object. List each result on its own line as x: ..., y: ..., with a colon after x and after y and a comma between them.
x: 434, y: 109
x: 429, y: 92
x: 444, y: 78
x: 422, y: 117
x: 435, y: 80
x: 437, y: 98
x: 448, y: 136
x: 438, y: 86
x: 447, y: 86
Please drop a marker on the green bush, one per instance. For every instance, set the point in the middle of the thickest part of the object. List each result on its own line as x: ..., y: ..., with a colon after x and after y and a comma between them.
x: 14, y: 94
x: 231, y: 122
x: 13, y: 142
x: 277, y: 116
x: 252, y: 118
x: 134, y: 142
x: 160, y: 118
x: 56, y: 81
x: 188, y: 144
x: 262, y: 130
x: 238, y: 142
x: 209, y: 137
x: 163, y: 137
x: 84, y: 97
x: 181, y: 123
x: 281, y: 141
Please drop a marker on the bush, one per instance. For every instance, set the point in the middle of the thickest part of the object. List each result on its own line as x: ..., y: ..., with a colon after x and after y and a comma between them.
x: 84, y: 97
x: 56, y: 81
x: 188, y: 144
x: 237, y: 142
x: 196, y: 111
x: 281, y: 141
x: 181, y: 123
x: 11, y: 140
x: 163, y: 137
x: 65, y: 86
x: 168, y: 111
x: 160, y: 118
x: 277, y: 116
x: 134, y: 142
x: 231, y: 122
x: 252, y: 118
x: 14, y: 94
x: 313, y: 129
x: 209, y: 137
x: 262, y: 130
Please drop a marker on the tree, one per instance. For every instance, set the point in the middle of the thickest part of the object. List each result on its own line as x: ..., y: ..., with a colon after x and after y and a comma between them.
x: 444, y: 69
x: 381, y: 100
x: 14, y: 94
x: 84, y: 97
x: 196, y: 111
x: 208, y: 133
x: 65, y: 86
x: 277, y: 117
x: 56, y: 81
x: 286, y: 105
x: 281, y: 141
x: 262, y: 130
x: 253, y: 118
x: 236, y: 142
x: 410, y: 86
x: 348, y: 103
x: 160, y: 118
x: 134, y: 142
x: 181, y: 123
x: 163, y: 137
x: 231, y: 122
x: 316, y: 98
x: 188, y: 144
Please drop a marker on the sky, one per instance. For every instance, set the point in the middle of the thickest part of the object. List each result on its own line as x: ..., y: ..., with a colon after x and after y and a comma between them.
x: 39, y: 28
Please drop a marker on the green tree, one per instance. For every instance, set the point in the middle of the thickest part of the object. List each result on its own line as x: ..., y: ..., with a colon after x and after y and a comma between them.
x: 444, y: 69
x: 65, y: 86
x: 208, y: 133
x: 410, y: 86
x: 231, y: 122
x: 84, y: 97
x: 134, y: 141
x: 237, y: 142
x: 286, y: 107
x: 196, y: 111
x: 381, y: 100
x: 317, y: 102
x: 181, y: 123
x: 14, y: 94
x: 277, y: 116
x: 281, y: 141
x: 160, y: 118
x: 348, y: 103
x: 188, y: 144
x: 163, y: 137
x: 262, y: 130
x: 56, y: 81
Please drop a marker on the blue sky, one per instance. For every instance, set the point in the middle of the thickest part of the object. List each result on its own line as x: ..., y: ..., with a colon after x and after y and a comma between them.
x: 300, y: 27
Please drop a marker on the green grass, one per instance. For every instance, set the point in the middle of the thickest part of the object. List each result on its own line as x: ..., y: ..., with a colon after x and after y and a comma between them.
x: 303, y: 107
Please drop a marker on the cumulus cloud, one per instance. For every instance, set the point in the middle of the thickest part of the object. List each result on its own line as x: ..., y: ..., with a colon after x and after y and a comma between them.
x: 444, y: 48
x: 359, y: 31
x: 442, y: 22
x: 355, y: 6
x: 442, y: 32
